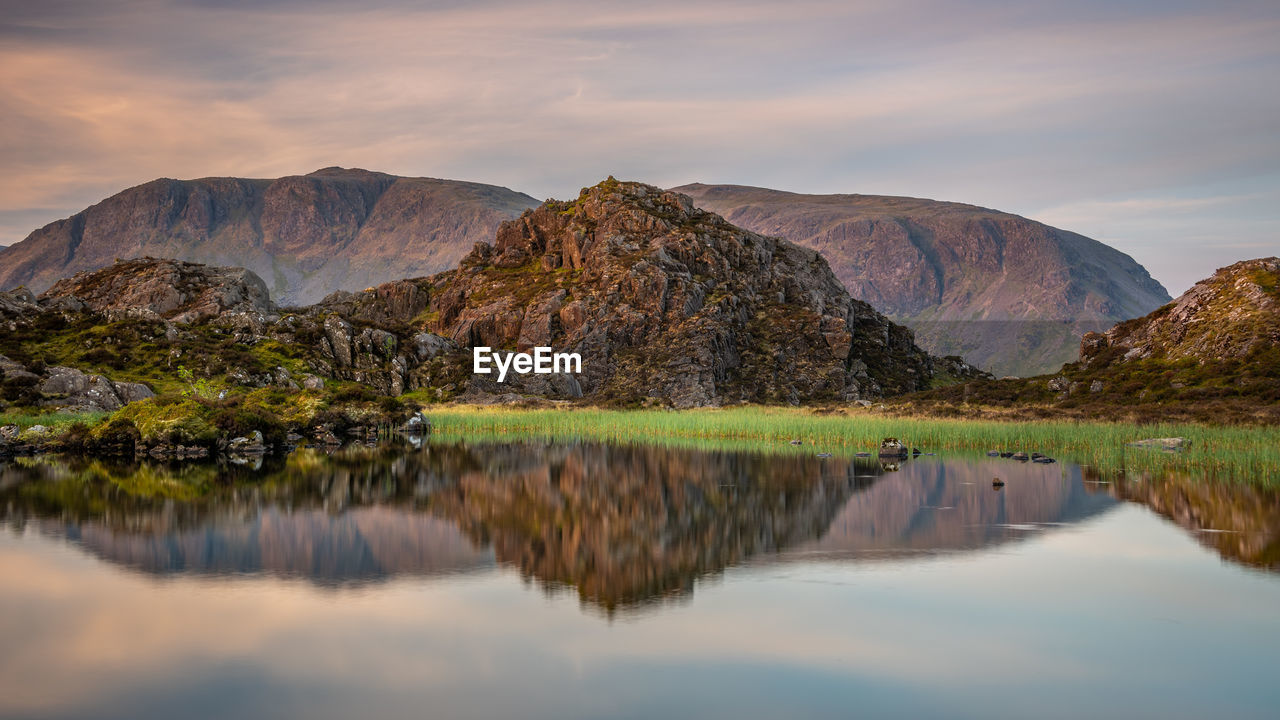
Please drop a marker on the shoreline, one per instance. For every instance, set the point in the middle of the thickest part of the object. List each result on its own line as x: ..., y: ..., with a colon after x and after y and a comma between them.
x: 1233, y: 452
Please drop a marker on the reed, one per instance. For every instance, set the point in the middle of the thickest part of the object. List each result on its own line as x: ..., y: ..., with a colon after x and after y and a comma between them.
x: 1249, y: 454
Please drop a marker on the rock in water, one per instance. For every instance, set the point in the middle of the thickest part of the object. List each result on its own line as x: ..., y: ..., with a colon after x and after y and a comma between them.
x: 892, y: 447
x: 665, y: 301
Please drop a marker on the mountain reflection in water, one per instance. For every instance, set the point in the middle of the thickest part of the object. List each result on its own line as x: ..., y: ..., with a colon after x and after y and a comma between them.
x: 623, y: 526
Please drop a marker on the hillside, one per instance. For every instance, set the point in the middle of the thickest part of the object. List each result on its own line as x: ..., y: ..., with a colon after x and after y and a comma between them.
x: 1009, y: 294
x: 1211, y: 355
x: 1235, y: 314
x: 666, y: 304
x: 306, y: 236
x: 671, y: 303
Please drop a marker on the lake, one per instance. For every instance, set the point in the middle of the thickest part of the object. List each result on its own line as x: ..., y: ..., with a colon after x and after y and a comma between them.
x: 571, y: 579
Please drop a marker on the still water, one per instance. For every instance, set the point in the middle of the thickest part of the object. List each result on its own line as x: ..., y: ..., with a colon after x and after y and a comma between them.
x: 562, y: 580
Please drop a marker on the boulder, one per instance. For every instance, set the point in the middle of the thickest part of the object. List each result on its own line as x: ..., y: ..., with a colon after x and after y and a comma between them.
x: 429, y: 345
x: 73, y: 389
x: 173, y: 290
x: 247, y: 445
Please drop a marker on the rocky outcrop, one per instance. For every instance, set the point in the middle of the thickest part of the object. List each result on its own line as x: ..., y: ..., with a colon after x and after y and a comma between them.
x: 1234, y: 314
x: 307, y: 235
x: 668, y: 303
x: 137, y: 315
x: 66, y: 388
x: 1211, y: 356
x: 665, y: 304
x: 172, y: 290
x: 1011, y: 295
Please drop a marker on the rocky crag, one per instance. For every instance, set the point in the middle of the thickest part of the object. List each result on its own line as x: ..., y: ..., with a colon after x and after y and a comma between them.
x: 305, y: 235
x: 1011, y: 295
x: 1233, y: 315
x: 1007, y: 293
x: 1211, y: 355
x: 666, y: 304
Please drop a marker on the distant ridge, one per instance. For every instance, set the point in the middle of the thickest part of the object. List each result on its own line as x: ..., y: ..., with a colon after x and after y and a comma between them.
x: 305, y: 235
x: 1009, y: 294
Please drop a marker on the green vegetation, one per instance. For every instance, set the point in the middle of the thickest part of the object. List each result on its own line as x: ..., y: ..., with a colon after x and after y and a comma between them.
x: 134, y: 350
x: 193, y: 419
x: 55, y: 420
x: 523, y: 283
x: 1219, y: 391
x: 1236, y: 453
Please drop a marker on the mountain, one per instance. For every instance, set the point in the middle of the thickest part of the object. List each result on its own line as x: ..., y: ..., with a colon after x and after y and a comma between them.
x: 665, y: 304
x: 1235, y: 314
x: 669, y: 303
x: 1009, y: 294
x: 305, y: 235
x: 1212, y: 355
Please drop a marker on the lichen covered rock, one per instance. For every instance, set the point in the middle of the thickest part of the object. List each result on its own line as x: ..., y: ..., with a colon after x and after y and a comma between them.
x: 667, y: 302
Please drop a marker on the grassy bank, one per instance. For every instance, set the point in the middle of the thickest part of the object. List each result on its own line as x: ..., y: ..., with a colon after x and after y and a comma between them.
x: 1250, y: 454
x: 56, y: 423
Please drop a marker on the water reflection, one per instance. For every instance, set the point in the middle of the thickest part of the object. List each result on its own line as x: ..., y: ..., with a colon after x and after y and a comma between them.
x: 397, y: 597
x: 1239, y: 521
x: 622, y: 525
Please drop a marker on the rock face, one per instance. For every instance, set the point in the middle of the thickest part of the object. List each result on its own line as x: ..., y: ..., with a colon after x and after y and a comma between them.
x: 1212, y: 356
x: 166, y: 289
x: 667, y: 302
x: 147, y: 318
x: 307, y: 235
x: 66, y: 388
x: 1232, y: 315
x: 1011, y: 295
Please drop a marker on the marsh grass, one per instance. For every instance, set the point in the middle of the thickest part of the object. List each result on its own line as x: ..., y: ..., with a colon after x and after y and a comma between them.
x: 57, y: 421
x: 1242, y: 454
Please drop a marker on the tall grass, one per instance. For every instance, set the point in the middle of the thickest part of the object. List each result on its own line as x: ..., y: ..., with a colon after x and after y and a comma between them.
x: 57, y: 421
x: 1248, y: 454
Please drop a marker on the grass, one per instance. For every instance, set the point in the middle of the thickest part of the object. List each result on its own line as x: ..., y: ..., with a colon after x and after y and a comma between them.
x: 1243, y: 454
x: 58, y: 422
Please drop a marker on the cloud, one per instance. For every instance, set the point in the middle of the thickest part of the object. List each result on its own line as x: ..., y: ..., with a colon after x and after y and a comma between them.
x: 1050, y: 106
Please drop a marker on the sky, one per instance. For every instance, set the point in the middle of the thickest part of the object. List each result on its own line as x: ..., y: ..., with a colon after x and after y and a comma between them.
x: 1151, y: 126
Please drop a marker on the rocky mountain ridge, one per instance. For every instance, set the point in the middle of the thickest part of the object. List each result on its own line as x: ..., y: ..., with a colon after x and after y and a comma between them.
x: 1009, y: 294
x: 1232, y: 314
x: 305, y: 235
x: 1212, y: 355
x: 1003, y: 291
x: 162, y: 289
x: 666, y: 304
